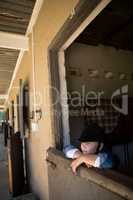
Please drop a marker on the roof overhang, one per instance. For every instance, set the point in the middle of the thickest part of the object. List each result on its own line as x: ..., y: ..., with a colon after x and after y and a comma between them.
x: 13, y: 41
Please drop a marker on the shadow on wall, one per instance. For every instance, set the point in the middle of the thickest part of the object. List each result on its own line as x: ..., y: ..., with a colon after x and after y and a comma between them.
x: 3, y: 151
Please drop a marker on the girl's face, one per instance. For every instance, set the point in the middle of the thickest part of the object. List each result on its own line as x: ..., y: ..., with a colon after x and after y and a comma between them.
x: 89, y: 147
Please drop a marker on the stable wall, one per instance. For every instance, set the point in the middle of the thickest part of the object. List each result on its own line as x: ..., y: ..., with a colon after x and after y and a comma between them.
x: 52, y: 16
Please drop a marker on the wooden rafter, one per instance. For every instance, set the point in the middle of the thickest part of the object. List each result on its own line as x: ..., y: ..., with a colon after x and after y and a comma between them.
x: 13, y: 41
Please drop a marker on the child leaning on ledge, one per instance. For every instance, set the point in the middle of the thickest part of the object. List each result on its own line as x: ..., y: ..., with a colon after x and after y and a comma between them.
x: 93, y: 152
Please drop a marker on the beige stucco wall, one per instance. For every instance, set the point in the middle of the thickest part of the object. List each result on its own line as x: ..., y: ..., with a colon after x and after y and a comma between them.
x: 52, y: 16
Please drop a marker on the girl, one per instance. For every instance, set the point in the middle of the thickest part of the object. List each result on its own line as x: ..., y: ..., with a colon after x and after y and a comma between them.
x: 93, y: 152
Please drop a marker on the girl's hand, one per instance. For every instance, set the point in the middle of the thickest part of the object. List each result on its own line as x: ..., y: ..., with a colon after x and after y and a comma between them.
x: 75, y: 164
x: 89, y: 160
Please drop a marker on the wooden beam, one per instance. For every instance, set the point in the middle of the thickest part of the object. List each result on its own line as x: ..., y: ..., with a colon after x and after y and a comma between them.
x: 27, y: 3
x: 3, y: 96
x: 13, y: 41
x: 16, y: 14
x: 11, y: 29
x: 19, y: 22
x: 2, y: 107
x: 15, y: 7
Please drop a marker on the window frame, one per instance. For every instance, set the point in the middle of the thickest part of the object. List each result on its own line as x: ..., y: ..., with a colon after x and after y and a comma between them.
x: 81, y: 16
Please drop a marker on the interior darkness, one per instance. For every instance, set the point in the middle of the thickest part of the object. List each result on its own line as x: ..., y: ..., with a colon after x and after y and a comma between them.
x: 112, y: 27
x: 26, y: 107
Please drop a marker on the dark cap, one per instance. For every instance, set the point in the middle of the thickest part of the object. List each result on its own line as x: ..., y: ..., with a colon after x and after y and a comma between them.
x: 92, y: 133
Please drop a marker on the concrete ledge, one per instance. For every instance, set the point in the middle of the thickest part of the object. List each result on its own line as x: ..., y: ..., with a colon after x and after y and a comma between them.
x: 108, y: 179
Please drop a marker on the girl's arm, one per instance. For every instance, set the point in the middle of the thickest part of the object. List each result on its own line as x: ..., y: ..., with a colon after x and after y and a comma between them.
x: 71, y: 152
x: 101, y: 160
x: 89, y: 160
